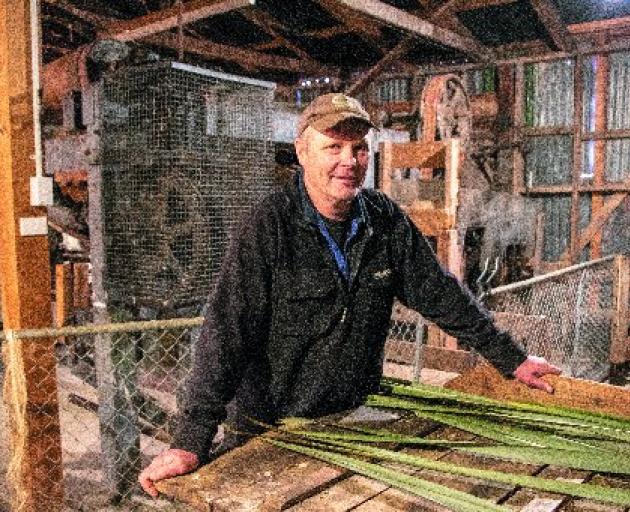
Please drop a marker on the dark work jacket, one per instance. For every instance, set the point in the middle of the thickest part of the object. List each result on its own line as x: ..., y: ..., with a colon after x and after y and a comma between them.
x: 285, y: 335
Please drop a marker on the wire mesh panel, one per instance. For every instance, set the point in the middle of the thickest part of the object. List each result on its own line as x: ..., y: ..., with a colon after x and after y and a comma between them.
x: 104, y: 448
x: 402, y: 358
x: 185, y: 153
x: 565, y: 317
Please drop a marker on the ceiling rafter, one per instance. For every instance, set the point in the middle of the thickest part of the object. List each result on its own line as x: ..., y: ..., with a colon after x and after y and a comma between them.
x: 471, y: 5
x: 95, y: 19
x: 419, y: 27
x: 550, y: 18
x: 362, y: 25
x: 267, y: 22
x: 249, y: 58
x: 397, y: 52
x: 171, y: 17
x: 328, y: 32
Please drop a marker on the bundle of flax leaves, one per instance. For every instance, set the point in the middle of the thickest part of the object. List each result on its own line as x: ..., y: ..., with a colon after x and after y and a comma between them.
x: 521, y: 432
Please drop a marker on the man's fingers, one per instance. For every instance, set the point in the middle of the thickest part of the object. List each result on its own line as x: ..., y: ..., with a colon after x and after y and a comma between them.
x: 540, y: 384
x: 147, y: 484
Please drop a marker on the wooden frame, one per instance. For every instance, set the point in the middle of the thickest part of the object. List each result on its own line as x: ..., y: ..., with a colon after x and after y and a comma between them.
x: 435, y: 221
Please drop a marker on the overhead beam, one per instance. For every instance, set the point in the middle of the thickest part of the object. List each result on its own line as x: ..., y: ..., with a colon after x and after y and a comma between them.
x: 266, y: 22
x: 325, y: 33
x: 247, y: 58
x: 165, y: 19
x: 394, y: 54
x: 95, y: 19
x: 471, y: 5
x: 548, y: 15
x: 600, y: 25
x: 401, y: 19
x: 348, y: 17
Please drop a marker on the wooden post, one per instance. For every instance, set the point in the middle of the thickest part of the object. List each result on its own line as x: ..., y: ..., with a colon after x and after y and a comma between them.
x: 25, y: 269
x: 64, y: 294
x: 601, y: 104
x: 578, y: 91
x: 518, y: 120
x: 620, y: 342
x: 120, y: 433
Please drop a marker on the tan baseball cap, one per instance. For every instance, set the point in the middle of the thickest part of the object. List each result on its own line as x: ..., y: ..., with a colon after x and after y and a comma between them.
x: 327, y: 111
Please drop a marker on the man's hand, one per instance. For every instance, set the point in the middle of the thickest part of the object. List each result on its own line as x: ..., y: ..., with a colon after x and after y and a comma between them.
x: 172, y: 462
x: 530, y: 371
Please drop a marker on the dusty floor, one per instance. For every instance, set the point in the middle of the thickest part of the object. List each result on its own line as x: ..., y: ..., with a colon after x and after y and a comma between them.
x: 81, y: 451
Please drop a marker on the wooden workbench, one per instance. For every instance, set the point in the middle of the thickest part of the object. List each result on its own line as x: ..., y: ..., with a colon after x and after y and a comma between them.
x: 261, y: 478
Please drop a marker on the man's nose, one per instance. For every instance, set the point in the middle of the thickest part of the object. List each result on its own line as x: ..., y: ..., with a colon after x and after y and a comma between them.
x: 348, y: 156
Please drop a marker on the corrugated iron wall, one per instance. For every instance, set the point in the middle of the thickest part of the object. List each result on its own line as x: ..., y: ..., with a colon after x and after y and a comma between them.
x: 618, y: 151
x: 549, y: 159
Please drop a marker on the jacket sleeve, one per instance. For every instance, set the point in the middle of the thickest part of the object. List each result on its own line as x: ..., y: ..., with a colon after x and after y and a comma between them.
x: 236, y: 320
x: 423, y: 285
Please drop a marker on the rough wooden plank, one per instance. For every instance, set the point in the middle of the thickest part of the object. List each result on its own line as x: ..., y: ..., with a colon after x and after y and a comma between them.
x: 254, y: 477
x: 25, y: 274
x: 418, y: 26
x: 580, y: 394
x: 540, y: 501
x: 418, y: 154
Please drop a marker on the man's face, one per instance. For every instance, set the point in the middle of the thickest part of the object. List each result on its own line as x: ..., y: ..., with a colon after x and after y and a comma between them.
x: 334, y: 164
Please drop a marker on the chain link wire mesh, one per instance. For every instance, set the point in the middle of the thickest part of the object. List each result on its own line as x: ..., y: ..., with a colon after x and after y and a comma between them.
x: 111, y: 424
x: 565, y: 316
x: 185, y: 153
x: 117, y: 388
x: 403, y: 346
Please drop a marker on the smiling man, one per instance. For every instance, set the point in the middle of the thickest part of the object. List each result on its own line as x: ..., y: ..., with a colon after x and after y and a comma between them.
x: 297, y: 319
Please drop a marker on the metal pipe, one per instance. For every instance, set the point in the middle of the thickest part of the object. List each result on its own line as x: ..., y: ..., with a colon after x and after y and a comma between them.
x: 538, y: 279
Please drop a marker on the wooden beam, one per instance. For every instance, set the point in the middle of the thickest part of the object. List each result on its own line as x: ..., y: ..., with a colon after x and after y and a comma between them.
x: 471, y: 5
x: 580, y: 394
x: 31, y: 394
x: 245, y: 57
x: 550, y: 18
x: 328, y: 32
x: 165, y: 19
x: 599, y: 168
x: 606, y: 188
x: 266, y: 22
x: 392, y: 55
x: 399, y: 18
x: 599, y: 26
x: 597, y: 223
x: 619, y: 346
x: 359, y: 24
x: 576, y: 171
x: 95, y: 19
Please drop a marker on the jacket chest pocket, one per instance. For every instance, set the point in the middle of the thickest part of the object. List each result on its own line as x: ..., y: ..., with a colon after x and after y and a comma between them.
x: 306, y: 302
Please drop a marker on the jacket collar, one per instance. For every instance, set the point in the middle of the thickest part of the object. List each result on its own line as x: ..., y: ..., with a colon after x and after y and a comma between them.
x: 309, y: 213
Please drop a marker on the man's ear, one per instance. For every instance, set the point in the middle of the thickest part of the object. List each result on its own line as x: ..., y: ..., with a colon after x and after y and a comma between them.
x: 300, y: 148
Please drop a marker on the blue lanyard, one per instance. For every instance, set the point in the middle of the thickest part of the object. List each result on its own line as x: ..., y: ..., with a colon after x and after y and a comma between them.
x: 338, y: 254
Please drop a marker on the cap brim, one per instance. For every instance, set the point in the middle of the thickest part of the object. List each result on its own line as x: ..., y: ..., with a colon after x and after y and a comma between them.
x: 328, y: 122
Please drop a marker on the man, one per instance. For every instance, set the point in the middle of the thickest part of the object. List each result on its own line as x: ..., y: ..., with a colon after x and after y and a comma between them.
x: 297, y: 320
